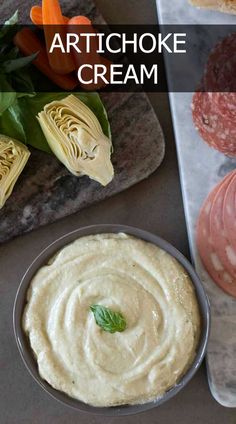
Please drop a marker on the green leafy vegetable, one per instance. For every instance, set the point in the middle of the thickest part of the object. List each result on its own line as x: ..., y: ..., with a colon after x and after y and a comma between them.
x: 19, y: 120
x: 7, y: 97
x: 12, y: 54
x: 8, y: 26
x: 22, y: 79
x: 14, y: 77
x: 12, y: 65
x: 107, y: 319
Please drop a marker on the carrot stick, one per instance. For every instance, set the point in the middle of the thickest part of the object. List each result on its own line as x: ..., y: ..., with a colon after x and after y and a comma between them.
x: 79, y: 20
x: 36, y: 16
x: 53, y: 22
x: 51, y: 12
x: 28, y: 43
x: 78, y: 25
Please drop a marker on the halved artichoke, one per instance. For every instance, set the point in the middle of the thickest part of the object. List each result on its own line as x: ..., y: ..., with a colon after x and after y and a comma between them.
x: 13, y: 158
x: 75, y: 136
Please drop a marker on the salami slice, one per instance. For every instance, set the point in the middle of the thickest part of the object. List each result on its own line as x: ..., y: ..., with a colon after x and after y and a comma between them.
x: 209, y: 252
x: 219, y: 239
x: 225, y: 104
x: 220, y: 73
x: 229, y: 212
x: 215, y: 129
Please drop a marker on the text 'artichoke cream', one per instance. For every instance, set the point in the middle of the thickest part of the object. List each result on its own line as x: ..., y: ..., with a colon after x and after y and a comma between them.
x: 13, y: 158
x: 75, y: 136
x: 154, y: 299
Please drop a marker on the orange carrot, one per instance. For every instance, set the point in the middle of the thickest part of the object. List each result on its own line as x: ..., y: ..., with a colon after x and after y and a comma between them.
x: 79, y: 20
x: 78, y: 25
x: 36, y: 16
x: 28, y: 43
x: 53, y: 22
x: 51, y: 12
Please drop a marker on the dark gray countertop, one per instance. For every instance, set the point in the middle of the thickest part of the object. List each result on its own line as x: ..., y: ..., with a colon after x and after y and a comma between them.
x: 154, y: 205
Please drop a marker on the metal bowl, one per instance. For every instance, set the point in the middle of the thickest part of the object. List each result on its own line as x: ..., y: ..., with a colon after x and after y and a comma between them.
x: 23, y: 342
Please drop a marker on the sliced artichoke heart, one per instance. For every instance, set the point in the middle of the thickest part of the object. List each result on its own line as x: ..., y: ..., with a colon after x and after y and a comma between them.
x: 75, y: 136
x: 13, y: 158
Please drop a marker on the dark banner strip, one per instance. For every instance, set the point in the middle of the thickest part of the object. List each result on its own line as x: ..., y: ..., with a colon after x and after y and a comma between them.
x: 118, y: 58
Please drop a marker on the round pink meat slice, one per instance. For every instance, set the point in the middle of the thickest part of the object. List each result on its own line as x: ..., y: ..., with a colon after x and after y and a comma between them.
x: 225, y: 251
x: 220, y: 73
x: 207, y: 251
x: 229, y: 212
x: 225, y: 103
x: 216, y: 130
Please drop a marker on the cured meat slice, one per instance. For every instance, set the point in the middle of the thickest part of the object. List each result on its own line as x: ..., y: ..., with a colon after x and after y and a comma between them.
x: 219, y: 239
x: 220, y: 73
x: 214, y: 109
x: 229, y: 212
x: 209, y: 252
x: 225, y: 104
x: 215, y: 129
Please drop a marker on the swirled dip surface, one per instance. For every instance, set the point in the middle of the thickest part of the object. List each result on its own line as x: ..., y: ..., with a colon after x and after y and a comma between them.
x: 154, y: 294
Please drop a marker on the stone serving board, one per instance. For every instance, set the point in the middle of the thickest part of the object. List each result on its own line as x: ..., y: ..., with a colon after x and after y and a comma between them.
x: 201, y: 168
x: 46, y: 191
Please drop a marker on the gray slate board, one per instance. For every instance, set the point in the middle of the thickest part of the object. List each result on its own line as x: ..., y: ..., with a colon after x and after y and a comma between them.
x: 46, y: 191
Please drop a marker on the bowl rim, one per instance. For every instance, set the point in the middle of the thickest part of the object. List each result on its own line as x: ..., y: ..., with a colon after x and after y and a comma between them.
x: 27, y: 353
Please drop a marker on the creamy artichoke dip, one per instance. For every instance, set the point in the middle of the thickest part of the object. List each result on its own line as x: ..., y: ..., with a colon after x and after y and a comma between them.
x: 144, y: 283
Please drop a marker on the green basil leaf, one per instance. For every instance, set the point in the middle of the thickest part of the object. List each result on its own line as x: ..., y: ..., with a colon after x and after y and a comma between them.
x: 21, y: 81
x: 10, y: 55
x: 7, y: 25
x: 15, y: 64
x: 6, y: 100
x: 3, y: 49
x: 11, y: 123
x: 107, y: 319
x: 11, y: 21
x: 7, y: 96
x: 9, y: 28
